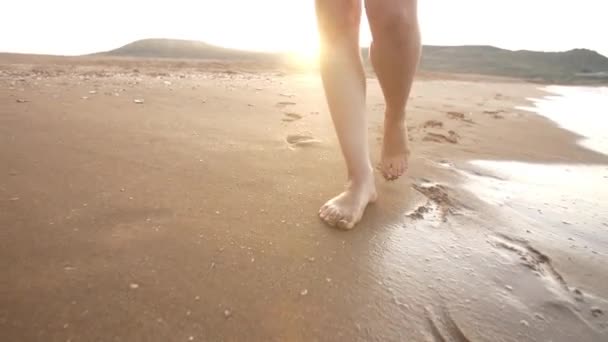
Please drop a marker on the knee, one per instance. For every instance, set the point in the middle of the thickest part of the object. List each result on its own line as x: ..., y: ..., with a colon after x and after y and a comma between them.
x: 338, y: 19
x: 392, y: 21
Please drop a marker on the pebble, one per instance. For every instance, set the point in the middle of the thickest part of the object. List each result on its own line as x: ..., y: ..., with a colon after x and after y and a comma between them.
x: 197, y: 298
x: 227, y: 313
x: 191, y: 338
x: 134, y: 286
x: 508, y: 287
x: 21, y: 101
x: 524, y: 322
x: 311, y: 259
x: 138, y: 101
x: 304, y: 292
x: 93, y: 92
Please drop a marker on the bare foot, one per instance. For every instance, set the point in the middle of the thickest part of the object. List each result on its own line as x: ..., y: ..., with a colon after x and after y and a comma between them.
x: 395, y: 151
x: 346, y: 209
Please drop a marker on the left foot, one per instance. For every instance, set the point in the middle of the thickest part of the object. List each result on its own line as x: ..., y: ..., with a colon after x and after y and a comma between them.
x: 346, y: 209
x: 395, y: 151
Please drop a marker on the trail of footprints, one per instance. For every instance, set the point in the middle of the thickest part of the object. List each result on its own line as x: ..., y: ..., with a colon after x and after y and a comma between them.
x: 296, y: 140
x: 452, y: 137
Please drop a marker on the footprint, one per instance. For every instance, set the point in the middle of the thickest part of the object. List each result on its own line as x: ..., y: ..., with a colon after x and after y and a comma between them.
x: 284, y: 104
x: 433, y: 124
x: 438, y: 200
x: 300, y: 140
x: 451, y: 138
x: 422, y: 210
x: 458, y: 116
x: 532, y: 258
x: 290, y: 117
x: 495, y: 113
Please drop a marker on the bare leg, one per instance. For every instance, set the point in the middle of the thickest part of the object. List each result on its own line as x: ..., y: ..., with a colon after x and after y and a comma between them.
x: 344, y: 83
x: 395, y: 53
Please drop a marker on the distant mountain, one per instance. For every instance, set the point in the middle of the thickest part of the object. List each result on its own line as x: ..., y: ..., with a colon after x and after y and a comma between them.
x: 574, y: 66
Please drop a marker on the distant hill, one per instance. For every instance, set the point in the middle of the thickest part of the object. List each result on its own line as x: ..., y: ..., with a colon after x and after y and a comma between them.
x: 186, y: 49
x: 569, y: 66
x: 574, y: 66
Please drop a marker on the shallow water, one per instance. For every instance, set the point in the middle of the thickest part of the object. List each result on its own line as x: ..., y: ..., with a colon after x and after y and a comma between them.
x: 582, y: 110
x: 560, y: 208
x: 572, y: 193
x: 558, y: 212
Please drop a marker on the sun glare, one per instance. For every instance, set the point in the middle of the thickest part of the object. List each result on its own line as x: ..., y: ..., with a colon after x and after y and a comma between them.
x: 306, y: 55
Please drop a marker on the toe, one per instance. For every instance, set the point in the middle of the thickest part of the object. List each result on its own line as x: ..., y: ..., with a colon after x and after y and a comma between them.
x: 346, y: 224
x: 329, y: 216
x: 335, y: 217
x: 387, y: 170
x: 324, y: 212
x: 400, y: 168
x: 394, y: 169
x: 391, y: 174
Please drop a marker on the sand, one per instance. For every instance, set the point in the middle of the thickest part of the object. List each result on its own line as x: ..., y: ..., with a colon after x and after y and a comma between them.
x: 190, y: 214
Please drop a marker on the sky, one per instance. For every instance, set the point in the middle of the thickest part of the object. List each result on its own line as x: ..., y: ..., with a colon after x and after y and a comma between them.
x: 71, y: 27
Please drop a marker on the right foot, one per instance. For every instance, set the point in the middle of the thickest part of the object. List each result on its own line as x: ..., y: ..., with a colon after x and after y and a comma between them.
x: 395, y: 151
x: 346, y: 209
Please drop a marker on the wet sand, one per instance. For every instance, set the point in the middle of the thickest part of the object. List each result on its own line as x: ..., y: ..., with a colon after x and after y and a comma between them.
x: 192, y: 216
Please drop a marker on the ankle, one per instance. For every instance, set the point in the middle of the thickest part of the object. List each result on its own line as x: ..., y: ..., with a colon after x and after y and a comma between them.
x: 394, y: 120
x: 361, y: 178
